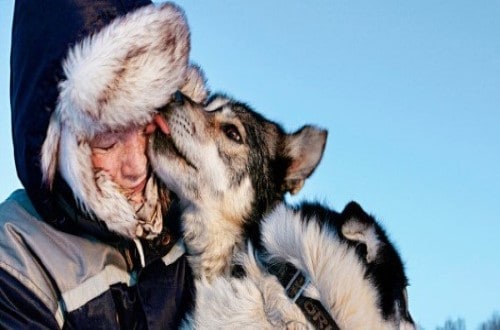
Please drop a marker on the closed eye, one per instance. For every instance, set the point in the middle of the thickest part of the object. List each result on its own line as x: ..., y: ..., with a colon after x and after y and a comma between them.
x: 232, y: 133
x: 103, y: 146
x: 104, y: 142
x: 107, y: 147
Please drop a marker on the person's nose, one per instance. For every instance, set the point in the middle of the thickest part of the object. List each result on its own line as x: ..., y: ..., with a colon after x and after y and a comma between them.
x: 134, y: 159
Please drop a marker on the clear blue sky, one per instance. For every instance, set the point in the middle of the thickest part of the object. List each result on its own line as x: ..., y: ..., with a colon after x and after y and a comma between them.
x: 410, y: 93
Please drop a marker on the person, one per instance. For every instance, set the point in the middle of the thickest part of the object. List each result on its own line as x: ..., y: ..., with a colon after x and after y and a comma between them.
x: 93, y: 240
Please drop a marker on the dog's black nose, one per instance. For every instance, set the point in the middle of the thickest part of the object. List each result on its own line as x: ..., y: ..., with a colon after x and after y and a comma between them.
x: 178, y: 97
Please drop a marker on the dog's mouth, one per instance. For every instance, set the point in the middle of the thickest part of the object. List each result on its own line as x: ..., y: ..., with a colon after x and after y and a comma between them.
x: 165, y: 143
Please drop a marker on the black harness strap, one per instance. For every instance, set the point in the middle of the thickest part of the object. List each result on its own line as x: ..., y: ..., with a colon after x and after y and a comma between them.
x: 294, y: 283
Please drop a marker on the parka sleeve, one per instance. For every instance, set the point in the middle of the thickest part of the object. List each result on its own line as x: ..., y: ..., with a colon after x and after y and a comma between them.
x: 20, y: 308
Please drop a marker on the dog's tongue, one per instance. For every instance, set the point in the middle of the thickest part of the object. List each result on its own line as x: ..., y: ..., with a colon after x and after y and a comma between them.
x: 162, y: 124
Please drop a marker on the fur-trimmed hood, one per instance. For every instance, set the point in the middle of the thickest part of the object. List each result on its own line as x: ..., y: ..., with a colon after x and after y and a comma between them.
x: 111, y: 79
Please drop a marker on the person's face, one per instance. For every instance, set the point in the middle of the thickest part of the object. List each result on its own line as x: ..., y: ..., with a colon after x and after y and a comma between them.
x: 122, y: 156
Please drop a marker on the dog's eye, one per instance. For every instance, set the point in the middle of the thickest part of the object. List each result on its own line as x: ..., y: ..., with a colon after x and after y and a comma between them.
x: 232, y: 133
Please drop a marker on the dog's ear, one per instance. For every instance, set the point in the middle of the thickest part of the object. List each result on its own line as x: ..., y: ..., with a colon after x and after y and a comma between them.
x: 50, y: 151
x: 304, y: 148
x: 360, y: 227
x: 195, y: 86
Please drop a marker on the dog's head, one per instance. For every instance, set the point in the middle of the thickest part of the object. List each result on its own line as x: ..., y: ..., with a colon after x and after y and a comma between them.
x: 227, y: 157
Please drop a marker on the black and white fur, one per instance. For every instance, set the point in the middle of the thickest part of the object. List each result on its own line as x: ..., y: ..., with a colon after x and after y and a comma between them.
x: 231, y: 168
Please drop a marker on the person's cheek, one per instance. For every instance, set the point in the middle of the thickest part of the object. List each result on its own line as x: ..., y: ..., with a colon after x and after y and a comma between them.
x: 105, y: 161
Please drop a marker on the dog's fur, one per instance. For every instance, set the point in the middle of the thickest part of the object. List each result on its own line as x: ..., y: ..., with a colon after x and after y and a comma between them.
x: 231, y: 168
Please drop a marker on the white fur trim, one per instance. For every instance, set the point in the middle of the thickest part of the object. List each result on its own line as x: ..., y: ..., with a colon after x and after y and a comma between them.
x: 122, y: 74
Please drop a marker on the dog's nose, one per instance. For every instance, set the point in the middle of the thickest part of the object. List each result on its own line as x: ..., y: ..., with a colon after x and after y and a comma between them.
x: 179, y: 97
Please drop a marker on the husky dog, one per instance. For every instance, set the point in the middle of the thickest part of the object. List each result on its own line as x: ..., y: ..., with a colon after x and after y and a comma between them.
x: 229, y: 166
x: 305, y: 266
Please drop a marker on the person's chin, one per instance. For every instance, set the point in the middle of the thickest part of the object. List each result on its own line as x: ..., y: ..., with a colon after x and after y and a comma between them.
x: 139, y: 188
x: 135, y: 193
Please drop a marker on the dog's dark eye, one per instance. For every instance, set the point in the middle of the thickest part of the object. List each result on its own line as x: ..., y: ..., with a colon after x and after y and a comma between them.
x: 232, y: 133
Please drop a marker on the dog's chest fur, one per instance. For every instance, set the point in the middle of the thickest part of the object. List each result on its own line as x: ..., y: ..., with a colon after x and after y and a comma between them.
x: 211, y: 242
